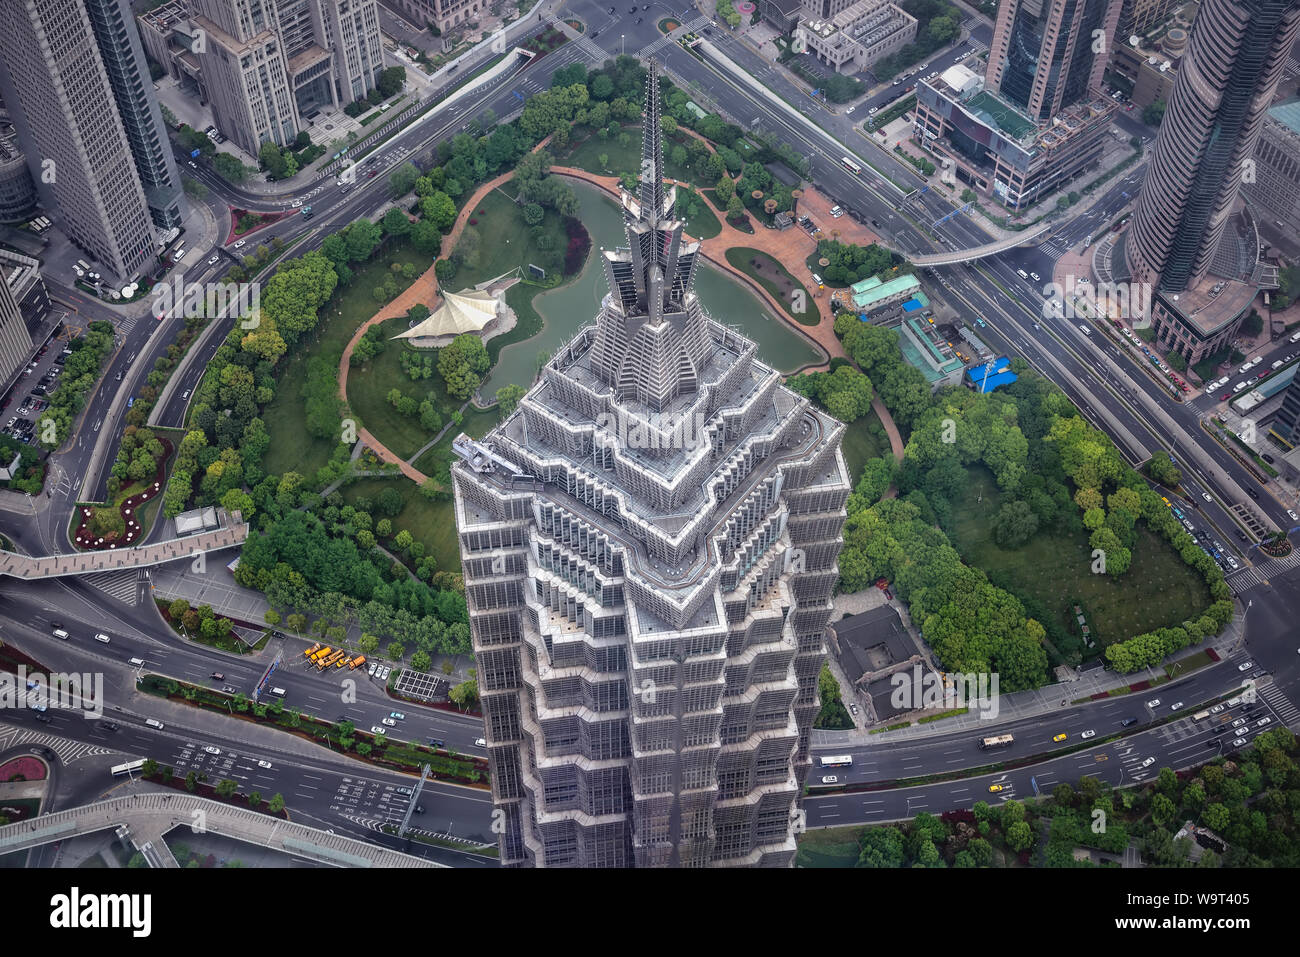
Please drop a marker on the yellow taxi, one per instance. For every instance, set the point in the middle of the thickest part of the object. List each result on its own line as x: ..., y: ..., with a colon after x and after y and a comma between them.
x: 995, y: 788
x: 1060, y: 737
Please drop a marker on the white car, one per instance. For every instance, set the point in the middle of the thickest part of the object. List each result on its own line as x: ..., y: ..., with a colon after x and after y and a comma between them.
x: 389, y: 722
x: 1088, y: 734
x: 829, y: 779
x: 1294, y: 516
x: 1239, y: 743
x: 1245, y: 666
x: 371, y: 672
x: 1206, y: 496
x: 1263, y: 721
x: 376, y: 729
x: 480, y: 742
x: 1035, y: 277
x: 213, y: 260
x: 1239, y: 722
x: 1175, y: 706
x: 239, y: 244
x: 296, y: 203
x: 100, y: 636
x: 1216, y: 709
x: 263, y: 764
x: 1153, y: 703
x: 211, y: 750
x: 1148, y: 762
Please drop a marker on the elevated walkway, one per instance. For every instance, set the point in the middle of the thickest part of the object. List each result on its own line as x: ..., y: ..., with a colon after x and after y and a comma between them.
x: 31, y: 568
x: 153, y: 814
x: 952, y: 257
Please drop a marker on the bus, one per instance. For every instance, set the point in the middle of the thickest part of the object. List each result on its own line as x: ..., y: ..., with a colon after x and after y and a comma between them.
x: 837, y: 761
x: 312, y: 650
x: 130, y: 768
x: 1201, y: 715
x: 996, y: 741
x: 851, y: 166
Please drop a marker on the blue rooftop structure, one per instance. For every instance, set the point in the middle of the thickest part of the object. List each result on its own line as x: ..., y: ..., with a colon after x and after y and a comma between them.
x: 999, y: 375
x: 912, y: 305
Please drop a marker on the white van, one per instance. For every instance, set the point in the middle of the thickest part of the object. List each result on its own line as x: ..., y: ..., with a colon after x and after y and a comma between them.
x: 154, y: 723
x: 60, y: 633
x: 817, y: 279
x: 136, y: 662
x: 278, y: 692
x: 1022, y: 274
x: 1295, y: 338
x: 1084, y: 329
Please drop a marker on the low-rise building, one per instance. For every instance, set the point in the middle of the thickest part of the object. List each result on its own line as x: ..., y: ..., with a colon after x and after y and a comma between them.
x: 855, y: 38
x: 998, y: 150
x: 444, y: 14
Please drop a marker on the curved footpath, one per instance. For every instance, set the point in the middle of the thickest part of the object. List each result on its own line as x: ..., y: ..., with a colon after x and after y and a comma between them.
x: 785, y: 246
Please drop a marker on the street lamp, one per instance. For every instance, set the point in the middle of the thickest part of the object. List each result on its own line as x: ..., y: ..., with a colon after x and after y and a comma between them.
x: 622, y: 44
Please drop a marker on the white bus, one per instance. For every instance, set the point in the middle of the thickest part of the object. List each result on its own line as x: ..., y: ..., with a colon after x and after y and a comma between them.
x: 130, y: 768
x: 851, y: 166
x: 996, y: 741
x: 837, y: 761
x: 1200, y: 715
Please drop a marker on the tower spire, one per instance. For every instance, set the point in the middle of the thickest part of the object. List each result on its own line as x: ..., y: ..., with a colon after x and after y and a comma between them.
x: 652, y: 151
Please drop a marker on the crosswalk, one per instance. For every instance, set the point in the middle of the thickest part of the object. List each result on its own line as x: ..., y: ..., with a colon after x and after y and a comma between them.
x: 68, y: 751
x: 580, y: 40
x: 122, y: 585
x: 1262, y: 571
x: 1287, y: 712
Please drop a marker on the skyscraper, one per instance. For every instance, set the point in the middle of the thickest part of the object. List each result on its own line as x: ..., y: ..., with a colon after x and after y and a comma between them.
x: 119, y: 46
x: 57, y: 88
x: 649, y: 544
x: 1047, y: 54
x: 1220, y: 100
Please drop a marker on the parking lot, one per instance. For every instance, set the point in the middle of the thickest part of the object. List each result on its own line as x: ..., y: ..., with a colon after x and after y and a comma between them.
x: 425, y: 687
x: 29, y: 396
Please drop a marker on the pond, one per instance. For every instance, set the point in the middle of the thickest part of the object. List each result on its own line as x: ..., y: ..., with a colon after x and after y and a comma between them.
x: 569, y: 308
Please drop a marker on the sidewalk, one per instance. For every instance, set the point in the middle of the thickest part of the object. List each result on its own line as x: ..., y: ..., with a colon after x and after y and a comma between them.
x: 1027, y: 704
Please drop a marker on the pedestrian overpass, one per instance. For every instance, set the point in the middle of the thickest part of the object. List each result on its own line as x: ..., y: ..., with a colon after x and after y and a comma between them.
x: 952, y: 257
x: 34, y: 568
x: 143, y: 819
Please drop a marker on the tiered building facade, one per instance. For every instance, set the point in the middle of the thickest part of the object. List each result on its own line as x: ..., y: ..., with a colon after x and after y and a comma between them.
x: 649, y: 544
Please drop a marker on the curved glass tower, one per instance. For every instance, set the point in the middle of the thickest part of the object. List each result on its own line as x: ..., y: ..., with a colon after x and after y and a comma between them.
x: 1220, y: 99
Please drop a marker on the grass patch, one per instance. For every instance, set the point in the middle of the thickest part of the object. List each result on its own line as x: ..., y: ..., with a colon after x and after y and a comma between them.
x: 292, y: 447
x: 828, y: 847
x: 506, y: 241
x: 940, y: 717
x: 1054, y: 569
x: 1185, y: 666
x: 861, y: 444
x: 776, y: 279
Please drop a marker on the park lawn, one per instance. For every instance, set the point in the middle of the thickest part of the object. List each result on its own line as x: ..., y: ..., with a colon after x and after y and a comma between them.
x: 506, y: 241
x: 703, y: 224
x: 622, y: 158
x: 776, y: 279
x: 292, y: 447
x: 828, y: 847
x: 430, y: 522
x: 1159, y: 591
x: 860, y: 445
x: 368, y: 387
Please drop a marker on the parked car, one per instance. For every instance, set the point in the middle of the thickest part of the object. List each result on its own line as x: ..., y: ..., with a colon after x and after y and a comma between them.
x: 480, y: 742
x: 211, y: 750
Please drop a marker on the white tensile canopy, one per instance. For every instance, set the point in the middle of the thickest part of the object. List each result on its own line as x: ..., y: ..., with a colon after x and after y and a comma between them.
x: 460, y: 312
